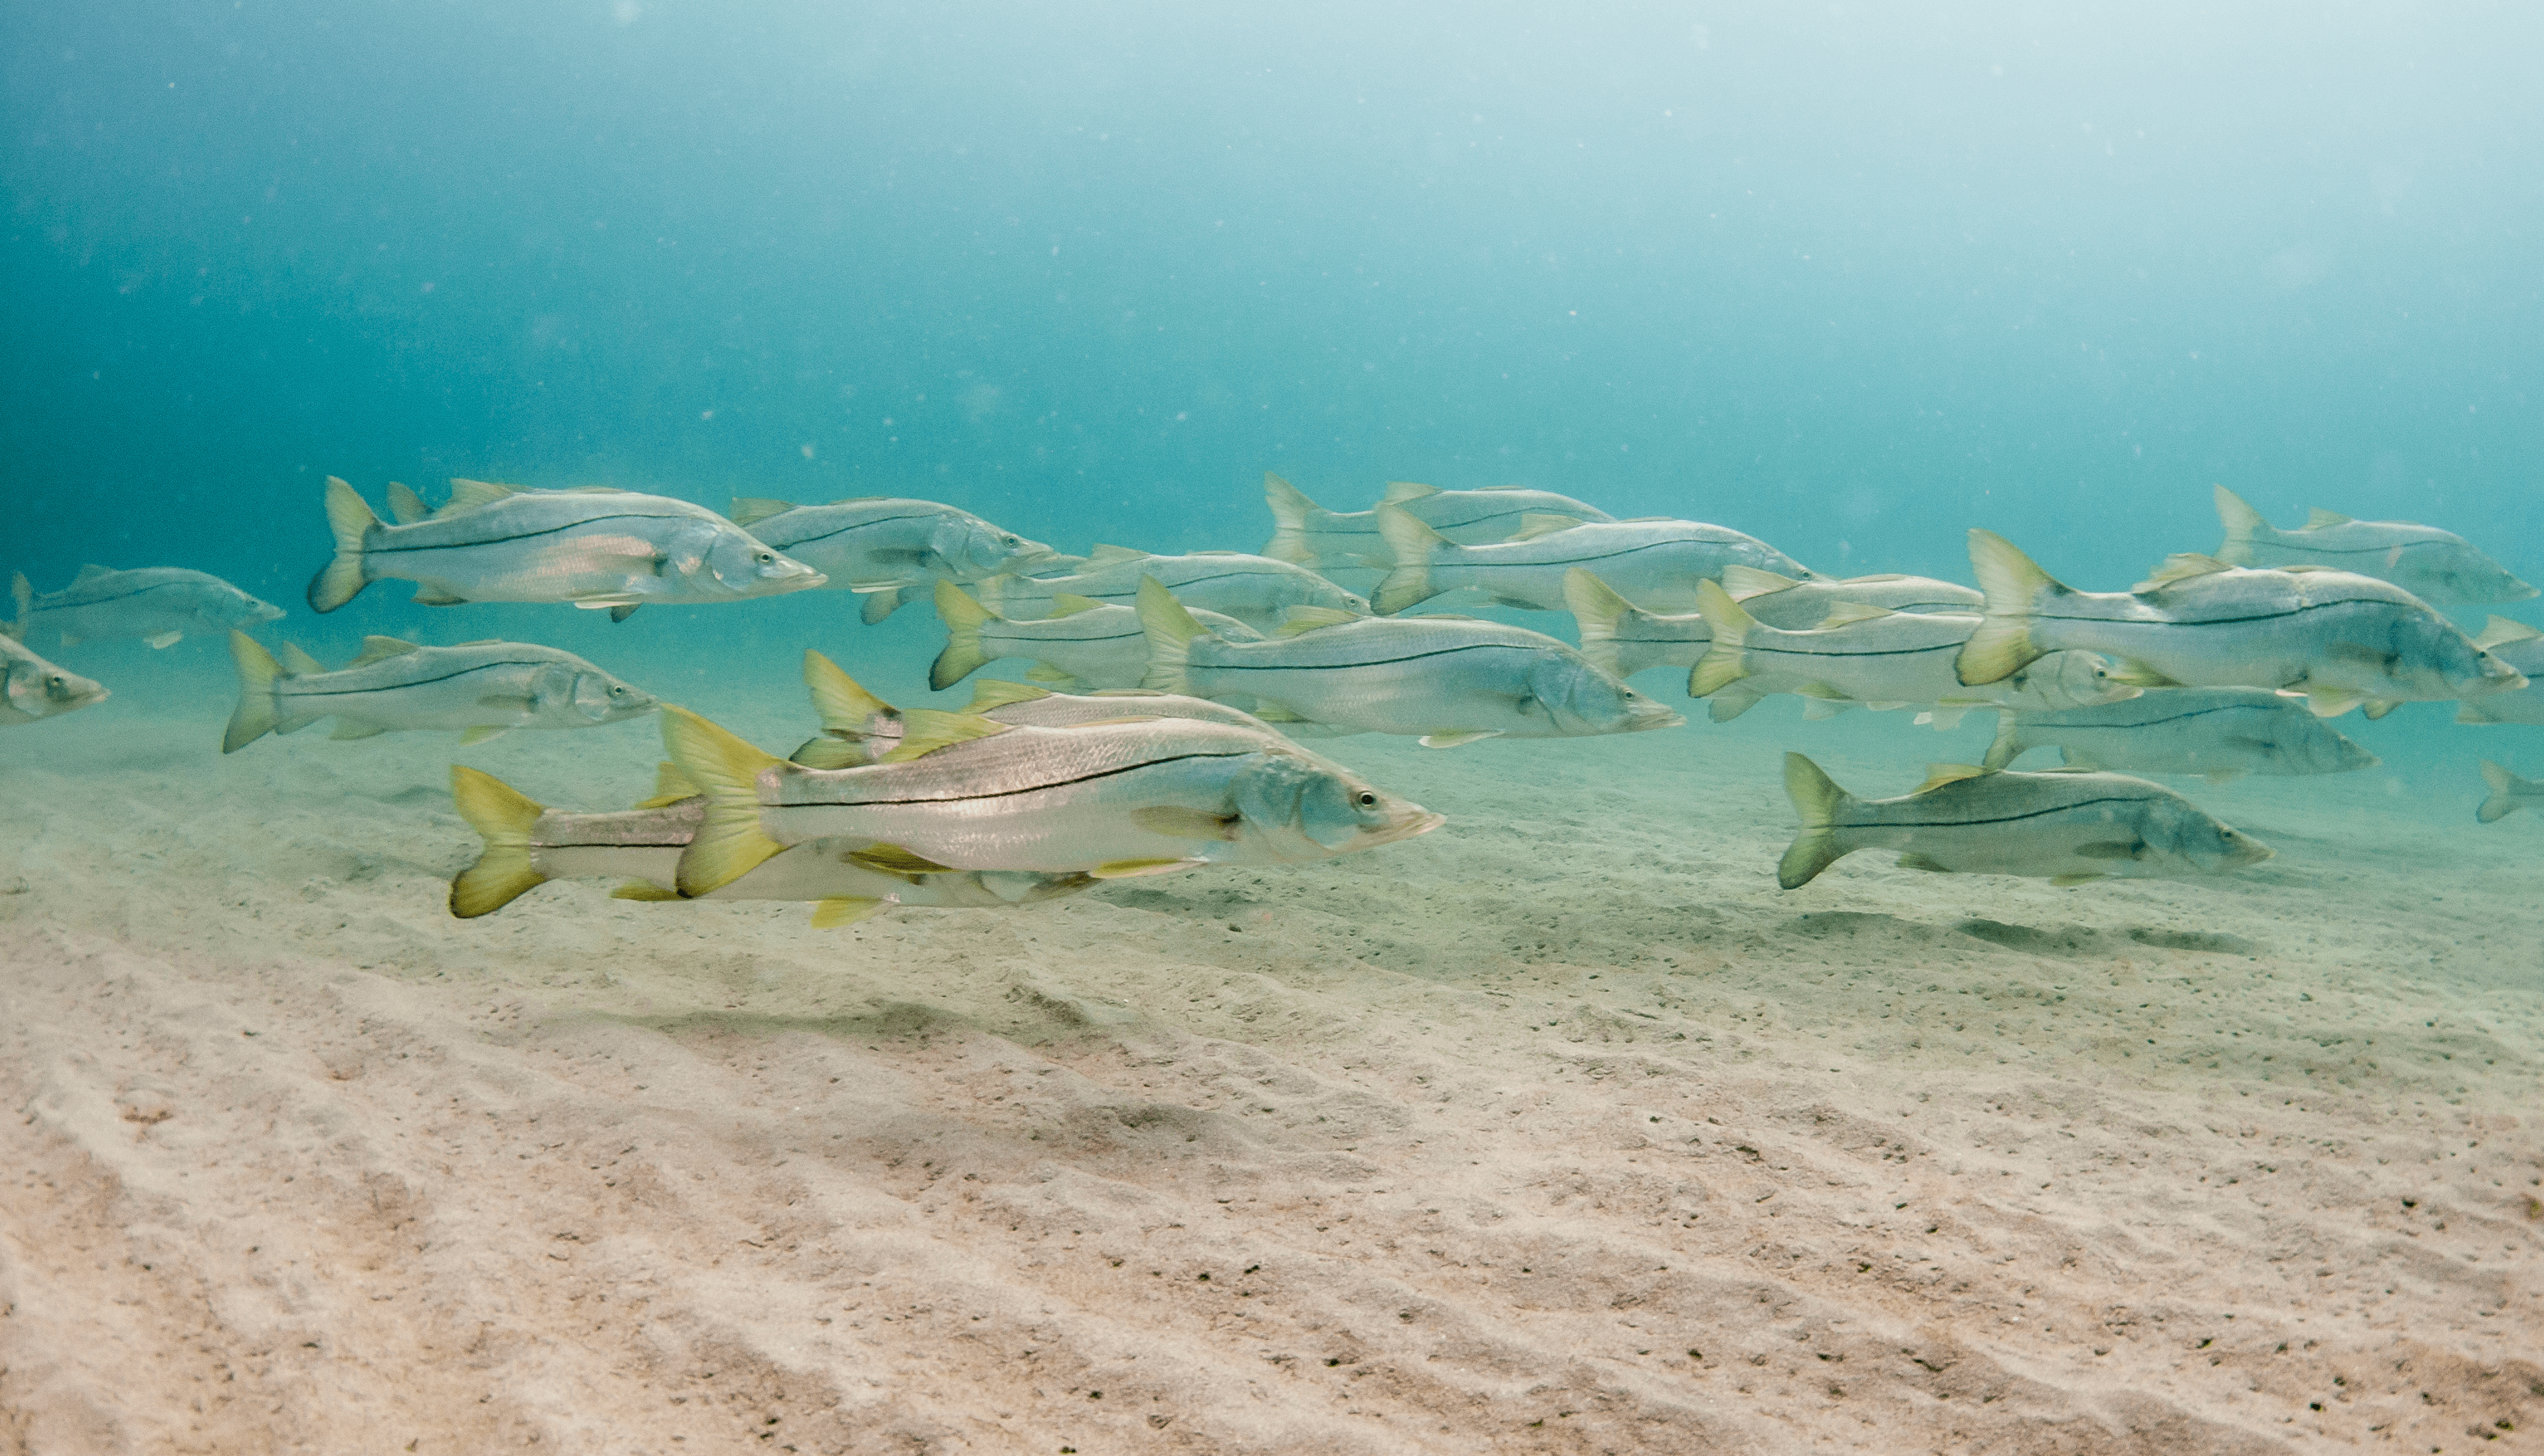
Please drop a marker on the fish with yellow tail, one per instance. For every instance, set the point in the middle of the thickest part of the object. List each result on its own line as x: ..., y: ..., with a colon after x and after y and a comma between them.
x: 2438, y: 567
x: 858, y: 728
x: 2508, y: 793
x: 1254, y: 590
x: 2341, y: 639
x: 1327, y: 540
x: 476, y: 689
x: 528, y: 844
x: 1653, y: 562
x: 886, y: 548
x: 1084, y: 643
x: 2069, y: 828
x: 157, y: 604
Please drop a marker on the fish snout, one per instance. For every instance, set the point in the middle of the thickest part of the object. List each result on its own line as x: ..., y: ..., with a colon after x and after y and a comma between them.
x: 263, y: 611
x: 2243, y: 851
x: 1645, y: 713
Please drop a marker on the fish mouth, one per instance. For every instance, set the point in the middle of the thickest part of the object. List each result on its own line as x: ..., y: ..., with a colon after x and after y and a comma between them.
x: 1645, y: 719
x: 1420, y: 821
x: 2518, y: 590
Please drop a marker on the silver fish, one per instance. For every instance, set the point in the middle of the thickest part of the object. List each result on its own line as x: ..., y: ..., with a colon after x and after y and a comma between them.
x: 1626, y: 639
x: 158, y: 604
x: 2220, y: 733
x: 1446, y: 680
x: 2066, y: 827
x: 1084, y: 643
x: 1136, y: 796
x: 2440, y: 567
x: 858, y: 728
x: 528, y: 844
x: 1254, y: 590
x: 2520, y: 647
x: 1653, y: 562
x: 2508, y: 793
x: 883, y: 547
x: 593, y: 547
x: 32, y: 688
x: 478, y: 689
x: 2339, y: 638
x: 1320, y: 539
x: 1866, y: 656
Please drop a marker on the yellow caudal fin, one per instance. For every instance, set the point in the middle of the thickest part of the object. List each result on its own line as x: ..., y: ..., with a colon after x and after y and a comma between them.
x: 350, y: 517
x: 963, y: 618
x: 731, y: 842
x: 1597, y: 608
x: 502, y: 816
x: 1170, y: 631
x: 1724, y: 662
x: 2008, y: 745
x: 1411, y: 548
x: 671, y: 786
x: 2242, y: 523
x: 406, y: 508
x: 842, y: 910
x: 23, y: 593
x: 2013, y: 585
x: 2508, y: 792
x: 847, y: 711
x: 749, y: 509
x: 259, y: 707
x: 1289, y: 511
x: 644, y: 890
x: 1818, y: 801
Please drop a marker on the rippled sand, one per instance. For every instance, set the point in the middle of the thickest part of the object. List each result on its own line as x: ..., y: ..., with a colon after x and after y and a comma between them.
x: 1562, y: 1129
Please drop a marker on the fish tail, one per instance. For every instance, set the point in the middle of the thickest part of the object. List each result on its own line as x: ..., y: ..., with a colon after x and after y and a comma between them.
x: 963, y: 618
x: 1411, y: 547
x: 260, y: 706
x: 502, y: 816
x: 847, y: 708
x: 731, y: 842
x: 1290, y: 508
x: 1817, y: 800
x: 23, y: 593
x: 2506, y: 791
x: 2013, y: 583
x: 2008, y: 745
x: 1597, y: 608
x: 881, y: 604
x: 351, y: 518
x: 1170, y: 631
x: 2242, y: 524
x: 1724, y: 662
x: 671, y: 786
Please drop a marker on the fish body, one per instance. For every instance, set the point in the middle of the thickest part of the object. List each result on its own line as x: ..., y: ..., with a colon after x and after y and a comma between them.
x: 1654, y: 564
x: 1322, y: 540
x: 2508, y: 793
x: 32, y: 688
x: 2339, y: 638
x: 1130, y: 796
x: 158, y: 604
x: 1254, y: 590
x: 2438, y: 567
x: 1781, y: 601
x: 593, y: 547
x: 2520, y: 647
x: 2221, y: 733
x: 478, y: 689
x: 858, y: 728
x: 2065, y: 827
x: 882, y: 546
x: 1085, y: 644
x: 1445, y: 680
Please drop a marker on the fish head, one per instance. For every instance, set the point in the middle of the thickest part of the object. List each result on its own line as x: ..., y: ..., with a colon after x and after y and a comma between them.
x: 2072, y: 679
x: 972, y: 547
x: 43, y: 694
x: 2436, y: 660
x: 1580, y: 699
x: 1317, y: 591
x: 1300, y: 807
x: 598, y: 697
x: 2183, y: 832
x: 236, y: 611
x: 2454, y: 570
x: 739, y: 564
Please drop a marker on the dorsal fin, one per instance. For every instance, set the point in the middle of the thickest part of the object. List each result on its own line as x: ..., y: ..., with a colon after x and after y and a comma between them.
x: 991, y: 694
x: 1940, y: 774
x: 1744, y: 582
x: 1310, y: 619
x: 468, y: 495
x: 2318, y: 518
x: 1069, y: 604
x: 2182, y: 566
x: 2499, y: 632
x: 671, y: 786
x: 2302, y: 568
x: 1845, y: 613
x: 1533, y: 525
x: 297, y: 663
x: 91, y: 572
x: 844, y: 706
x: 748, y: 509
x: 1399, y: 492
x: 926, y: 730
x: 406, y: 508
x: 380, y: 650
x: 1105, y: 556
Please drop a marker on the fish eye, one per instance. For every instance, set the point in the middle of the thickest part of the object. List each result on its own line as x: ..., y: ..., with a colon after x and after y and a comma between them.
x: 55, y: 683
x: 765, y: 557
x: 1011, y: 541
x: 1366, y: 800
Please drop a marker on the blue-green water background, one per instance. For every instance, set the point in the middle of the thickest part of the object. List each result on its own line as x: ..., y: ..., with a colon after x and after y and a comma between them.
x: 1850, y: 279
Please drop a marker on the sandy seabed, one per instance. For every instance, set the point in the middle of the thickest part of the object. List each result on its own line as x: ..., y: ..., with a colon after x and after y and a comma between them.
x: 1560, y: 1129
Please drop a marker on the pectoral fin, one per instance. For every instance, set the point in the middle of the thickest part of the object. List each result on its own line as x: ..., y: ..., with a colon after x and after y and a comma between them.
x: 1458, y: 737
x: 351, y: 727
x: 506, y: 703
x: 1185, y: 823
x: 2110, y: 849
x: 892, y: 859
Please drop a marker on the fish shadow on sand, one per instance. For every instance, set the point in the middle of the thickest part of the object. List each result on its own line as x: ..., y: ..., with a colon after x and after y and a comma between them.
x: 1827, y: 924
x: 2067, y: 942
x: 882, y: 1022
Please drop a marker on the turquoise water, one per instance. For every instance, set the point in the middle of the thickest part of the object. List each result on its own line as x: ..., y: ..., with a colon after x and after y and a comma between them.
x: 1850, y: 280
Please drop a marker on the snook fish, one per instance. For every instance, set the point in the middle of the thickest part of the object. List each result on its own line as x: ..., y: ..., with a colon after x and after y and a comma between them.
x: 858, y: 728
x: 2508, y: 793
x: 885, y: 548
x: 478, y: 689
x: 1320, y: 539
x: 1653, y: 562
x: 1135, y: 796
x: 1866, y: 656
x: 528, y: 844
x: 593, y: 547
x: 158, y: 604
x: 2440, y: 567
x: 1782, y: 601
x: 1446, y: 680
x: 2220, y: 733
x: 2339, y: 638
x: 33, y: 688
x: 1084, y: 643
x: 1626, y: 639
x: 1254, y: 590
x: 2520, y: 647
x: 2066, y: 827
